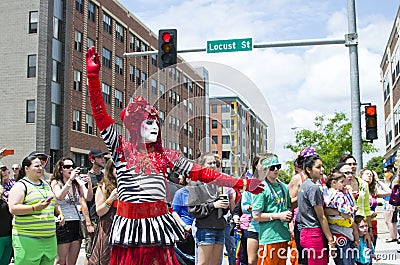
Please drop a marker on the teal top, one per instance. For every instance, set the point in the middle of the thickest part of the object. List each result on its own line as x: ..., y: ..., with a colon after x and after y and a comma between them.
x: 274, y: 199
x: 247, y: 199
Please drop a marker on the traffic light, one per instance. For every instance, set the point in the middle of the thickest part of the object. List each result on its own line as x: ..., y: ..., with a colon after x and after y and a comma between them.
x: 371, y: 123
x: 166, y: 47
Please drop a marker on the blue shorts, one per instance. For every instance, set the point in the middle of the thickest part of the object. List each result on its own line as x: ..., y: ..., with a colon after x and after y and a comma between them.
x: 209, y: 236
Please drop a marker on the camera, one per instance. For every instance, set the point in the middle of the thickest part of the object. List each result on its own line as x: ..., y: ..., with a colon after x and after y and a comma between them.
x: 84, y: 170
x: 223, y: 197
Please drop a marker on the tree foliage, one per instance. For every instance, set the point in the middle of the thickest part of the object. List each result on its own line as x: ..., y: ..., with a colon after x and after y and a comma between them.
x: 375, y: 164
x: 331, y: 138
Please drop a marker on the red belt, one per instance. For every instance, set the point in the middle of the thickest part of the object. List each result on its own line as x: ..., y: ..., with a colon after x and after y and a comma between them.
x: 141, y: 210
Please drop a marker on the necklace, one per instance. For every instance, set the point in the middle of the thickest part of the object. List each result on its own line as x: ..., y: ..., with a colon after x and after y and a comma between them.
x: 36, y: 187
x: 277, y: 199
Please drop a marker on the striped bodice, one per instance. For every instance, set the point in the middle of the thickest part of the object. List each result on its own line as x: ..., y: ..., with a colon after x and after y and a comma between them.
x: 137, y: 187
x: 38, y: 224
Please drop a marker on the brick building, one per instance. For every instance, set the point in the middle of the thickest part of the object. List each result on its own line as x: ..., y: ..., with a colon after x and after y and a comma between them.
x: 390, y: 74
x: 45, y: 99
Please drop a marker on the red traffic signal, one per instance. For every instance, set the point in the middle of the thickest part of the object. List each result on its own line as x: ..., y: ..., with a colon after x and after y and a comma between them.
x: 167, y: 41
x: 371, y: 124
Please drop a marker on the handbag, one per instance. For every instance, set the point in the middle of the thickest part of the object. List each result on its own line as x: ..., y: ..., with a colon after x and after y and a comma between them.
x: 83, y: 232
x: 395, y: 196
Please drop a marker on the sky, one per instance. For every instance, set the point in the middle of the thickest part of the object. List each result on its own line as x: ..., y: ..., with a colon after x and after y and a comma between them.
x: 297, y: 83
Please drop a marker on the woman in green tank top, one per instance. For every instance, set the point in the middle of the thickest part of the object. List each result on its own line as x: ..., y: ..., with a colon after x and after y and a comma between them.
x: 31, y: 200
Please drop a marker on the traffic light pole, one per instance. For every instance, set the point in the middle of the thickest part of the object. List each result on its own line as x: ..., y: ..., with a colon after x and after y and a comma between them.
x: 351, y: 41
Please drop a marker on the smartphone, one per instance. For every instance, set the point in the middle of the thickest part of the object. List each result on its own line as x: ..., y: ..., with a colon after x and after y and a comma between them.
x: 8, y: 152
x: 223, y: 197
x: 49, y: 199
x: 84, y: 170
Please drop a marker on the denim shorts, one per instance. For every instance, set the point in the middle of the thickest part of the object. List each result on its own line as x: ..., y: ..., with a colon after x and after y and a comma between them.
x: 209, y: 236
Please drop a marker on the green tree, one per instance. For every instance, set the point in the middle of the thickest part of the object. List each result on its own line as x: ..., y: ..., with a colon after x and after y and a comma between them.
x: 375, y: 164
x: 285, y: 175
x: 331, y: 138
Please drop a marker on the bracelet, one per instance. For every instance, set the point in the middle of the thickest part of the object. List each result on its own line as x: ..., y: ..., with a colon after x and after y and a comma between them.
x: 106, y: 205
x: 33, y: 208
x: 68, y: 183
x: 270, y: 217
x: 331, y: 243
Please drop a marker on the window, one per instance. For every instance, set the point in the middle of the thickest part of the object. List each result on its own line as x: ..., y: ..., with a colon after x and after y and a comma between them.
x: 185, y: 104
x: 226, y: 154
x: 30, y: 111
x: 396, y: 120
x: 118, y: 99
x: 162, y: 89
x: 154, y: 86
x: 143, y: 49
x: 106, y: 58
x: 90, y: 43
x: 185, y: 81
x: 191, y: 131
x: 56, y: 71
x: 144, y: 77
x: 190, y: 153
x: 76, y: 120
x: 225, y: 108
x: 89, y: 124
x: 55, y: 114
x: 106, y: 23
x: 190, y: 108
x: 388, y: 130
x: 185, y: 129
x: 78, y: 5
x: 386, y: 87
x: 56, y: 28
x: 132, y: 42
x: 33, y: 21
x: 214, y: 108
x: 214, y: 124
x: 32, y: 65
x: 137, y: 77
x: 119, y: 32
x: 395, y: 64
x: 170, y: 96
x: 132, y: 73
x: 106, y: 92
x: 119, y: 65
x: 77, y: 80
x: 185, y: 151
x: 154, y: 59
x: 225, y: 139
x: 161, y: 114
x: 78, y: 41
x: 214, y: 139
x: 138, y: 45
x: 90, y: 11
x: 226, y: 124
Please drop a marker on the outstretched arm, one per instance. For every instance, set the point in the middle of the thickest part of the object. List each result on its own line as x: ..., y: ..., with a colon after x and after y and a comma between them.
x: 103, y: 120
x: 206, y: 175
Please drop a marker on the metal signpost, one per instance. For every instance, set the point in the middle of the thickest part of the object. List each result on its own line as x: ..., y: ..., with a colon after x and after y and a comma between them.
x: 350, y: 40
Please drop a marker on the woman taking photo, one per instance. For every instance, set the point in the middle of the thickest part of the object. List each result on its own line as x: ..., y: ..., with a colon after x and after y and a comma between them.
x: 315, y: 231
x: 106, y: 207
x: 69, y: 195
x: 31, y: 201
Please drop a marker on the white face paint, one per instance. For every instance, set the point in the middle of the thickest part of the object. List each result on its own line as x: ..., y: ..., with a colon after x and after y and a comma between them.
x: 149, y: 131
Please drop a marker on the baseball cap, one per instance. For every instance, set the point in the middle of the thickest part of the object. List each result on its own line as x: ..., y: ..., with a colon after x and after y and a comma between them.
x: 3, y: 166
x: 96, y: 153
x: 270, y: 161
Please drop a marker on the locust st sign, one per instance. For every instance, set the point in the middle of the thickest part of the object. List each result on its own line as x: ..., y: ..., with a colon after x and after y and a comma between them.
x: 233, y: 45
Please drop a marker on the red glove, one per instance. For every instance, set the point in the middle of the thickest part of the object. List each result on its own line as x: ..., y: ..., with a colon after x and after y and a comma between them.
x: 206, y: 175
x: 103, y: 120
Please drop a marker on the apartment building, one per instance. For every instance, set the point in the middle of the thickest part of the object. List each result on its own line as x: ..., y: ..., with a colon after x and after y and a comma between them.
x: 45, y: 97
x: 390, y: 74
x: 237, y: 133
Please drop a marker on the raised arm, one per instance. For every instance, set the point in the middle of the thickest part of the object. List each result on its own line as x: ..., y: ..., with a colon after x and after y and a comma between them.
x: 103, y: 120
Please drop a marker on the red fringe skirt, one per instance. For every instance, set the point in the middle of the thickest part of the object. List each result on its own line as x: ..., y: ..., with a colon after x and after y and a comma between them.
x: 143, y: 256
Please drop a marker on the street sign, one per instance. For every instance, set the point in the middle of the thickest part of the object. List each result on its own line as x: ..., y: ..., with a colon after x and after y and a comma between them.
x: 233, y: 45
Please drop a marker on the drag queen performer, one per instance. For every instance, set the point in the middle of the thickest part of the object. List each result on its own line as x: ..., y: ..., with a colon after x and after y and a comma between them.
x: 144, y: 231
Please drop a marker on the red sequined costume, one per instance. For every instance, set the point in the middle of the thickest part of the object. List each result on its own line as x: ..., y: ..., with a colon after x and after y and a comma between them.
x: 144, y: 231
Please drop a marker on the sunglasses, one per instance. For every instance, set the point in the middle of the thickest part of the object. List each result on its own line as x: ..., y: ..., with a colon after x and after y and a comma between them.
x: 4, y: 169
x: 352, y: 164
x: 15, y: 168
x: 275, y: 167
x: 68, y: 166
x: 348, y: 173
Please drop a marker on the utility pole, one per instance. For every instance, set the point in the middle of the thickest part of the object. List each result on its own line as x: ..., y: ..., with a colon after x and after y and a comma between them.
x: 352, y: 43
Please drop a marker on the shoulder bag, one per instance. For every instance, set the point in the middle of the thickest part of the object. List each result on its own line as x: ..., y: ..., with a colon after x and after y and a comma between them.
x: 395, y: 195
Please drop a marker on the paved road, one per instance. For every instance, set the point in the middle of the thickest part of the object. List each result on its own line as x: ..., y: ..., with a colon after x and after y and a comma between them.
x: 387, y: 251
